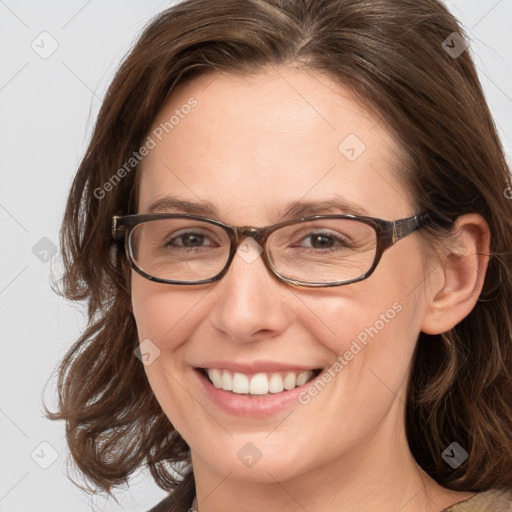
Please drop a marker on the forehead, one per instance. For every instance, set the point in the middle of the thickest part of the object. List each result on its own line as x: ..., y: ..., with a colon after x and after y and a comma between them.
x: 259, y: 140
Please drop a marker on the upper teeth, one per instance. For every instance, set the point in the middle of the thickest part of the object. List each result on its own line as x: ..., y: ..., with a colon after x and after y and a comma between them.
x: 258, y: 384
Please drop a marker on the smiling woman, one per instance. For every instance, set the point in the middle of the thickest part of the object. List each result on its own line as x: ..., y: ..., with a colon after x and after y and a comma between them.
x: 299, y: 299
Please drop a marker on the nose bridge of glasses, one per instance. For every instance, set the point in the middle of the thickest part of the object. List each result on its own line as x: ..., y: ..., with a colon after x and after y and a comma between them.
x: 258, y: 234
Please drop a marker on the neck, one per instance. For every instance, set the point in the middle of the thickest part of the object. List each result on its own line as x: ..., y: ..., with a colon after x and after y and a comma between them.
x: 377, y: 475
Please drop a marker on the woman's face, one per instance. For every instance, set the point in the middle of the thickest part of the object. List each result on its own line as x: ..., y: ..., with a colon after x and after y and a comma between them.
x: 251, y: 147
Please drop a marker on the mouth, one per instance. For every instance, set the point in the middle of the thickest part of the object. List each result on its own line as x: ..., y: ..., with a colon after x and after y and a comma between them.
x: 258, y: 384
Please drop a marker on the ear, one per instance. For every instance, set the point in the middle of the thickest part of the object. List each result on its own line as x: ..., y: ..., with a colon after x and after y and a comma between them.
x: 455, y: 289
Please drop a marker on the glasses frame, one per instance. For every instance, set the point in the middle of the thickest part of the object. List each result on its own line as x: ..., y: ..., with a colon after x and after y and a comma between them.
x: 388, y: 233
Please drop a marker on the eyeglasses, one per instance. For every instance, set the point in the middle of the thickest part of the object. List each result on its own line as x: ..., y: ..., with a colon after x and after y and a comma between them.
x: 316, y: 251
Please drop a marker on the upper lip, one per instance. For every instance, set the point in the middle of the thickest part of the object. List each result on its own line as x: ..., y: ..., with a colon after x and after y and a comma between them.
x: 256, y: 366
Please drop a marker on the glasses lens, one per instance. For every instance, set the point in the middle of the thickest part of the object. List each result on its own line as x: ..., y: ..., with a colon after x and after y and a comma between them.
x: 179, y: 249
x: 319, y: 251
x: 323, y: 250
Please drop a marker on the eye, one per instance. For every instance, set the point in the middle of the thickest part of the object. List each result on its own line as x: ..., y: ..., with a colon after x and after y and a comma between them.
x: 189, y: 240
x: 325, y: 240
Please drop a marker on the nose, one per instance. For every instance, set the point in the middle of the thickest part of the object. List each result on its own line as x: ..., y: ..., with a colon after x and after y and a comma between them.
x: 250, y: 302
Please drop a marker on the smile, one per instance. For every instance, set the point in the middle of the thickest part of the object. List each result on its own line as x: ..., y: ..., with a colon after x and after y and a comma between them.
x: 258, y: 383
x: 256, y: 389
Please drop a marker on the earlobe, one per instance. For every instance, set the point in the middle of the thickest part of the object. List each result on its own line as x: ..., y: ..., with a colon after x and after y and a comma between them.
x: 462, y: 268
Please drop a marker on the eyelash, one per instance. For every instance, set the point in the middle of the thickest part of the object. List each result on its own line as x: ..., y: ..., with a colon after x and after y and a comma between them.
x: 328, y: 249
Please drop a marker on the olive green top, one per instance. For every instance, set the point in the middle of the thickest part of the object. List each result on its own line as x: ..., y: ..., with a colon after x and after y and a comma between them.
x: 488, y: 501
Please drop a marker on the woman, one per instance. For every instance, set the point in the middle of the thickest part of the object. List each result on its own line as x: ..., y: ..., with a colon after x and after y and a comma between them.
x: 292, y: 232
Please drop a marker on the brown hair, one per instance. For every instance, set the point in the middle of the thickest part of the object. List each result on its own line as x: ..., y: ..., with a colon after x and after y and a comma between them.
x: 389, y: 53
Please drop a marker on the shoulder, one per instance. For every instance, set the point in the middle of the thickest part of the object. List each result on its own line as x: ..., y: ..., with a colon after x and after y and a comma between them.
x: 172, y: 503
x: 494, y: 500
x: 164, y: 505
x: 179, y: 500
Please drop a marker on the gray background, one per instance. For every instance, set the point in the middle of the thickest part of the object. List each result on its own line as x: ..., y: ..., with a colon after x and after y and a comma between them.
x: 47, y: 109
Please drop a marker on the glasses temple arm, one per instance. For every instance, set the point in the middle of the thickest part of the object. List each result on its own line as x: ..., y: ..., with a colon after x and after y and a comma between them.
x: 403, y: 227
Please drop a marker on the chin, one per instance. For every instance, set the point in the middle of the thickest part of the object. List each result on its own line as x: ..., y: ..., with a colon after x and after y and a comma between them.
x: 253, y: 462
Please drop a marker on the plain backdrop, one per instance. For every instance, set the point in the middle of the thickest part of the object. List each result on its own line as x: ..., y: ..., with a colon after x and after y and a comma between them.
x: 48, y: 105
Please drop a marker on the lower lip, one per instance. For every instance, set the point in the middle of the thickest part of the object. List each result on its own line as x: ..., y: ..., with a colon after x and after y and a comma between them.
x: 251, y: 406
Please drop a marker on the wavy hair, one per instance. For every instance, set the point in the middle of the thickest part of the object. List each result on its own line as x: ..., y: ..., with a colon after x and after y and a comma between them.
x: 391, y: 55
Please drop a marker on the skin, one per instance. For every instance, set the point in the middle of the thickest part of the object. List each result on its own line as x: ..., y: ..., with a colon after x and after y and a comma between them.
x: 252, y: 145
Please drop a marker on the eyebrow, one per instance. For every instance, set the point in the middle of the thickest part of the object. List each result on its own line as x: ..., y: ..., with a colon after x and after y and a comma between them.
x: 294, y: 209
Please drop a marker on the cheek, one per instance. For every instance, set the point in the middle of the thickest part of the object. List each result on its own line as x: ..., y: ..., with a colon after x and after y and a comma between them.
x: 165, y: 321
x: 372, y: 350
x: 373, y: 325
x: 163, y: 315
x: 379, y: 334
